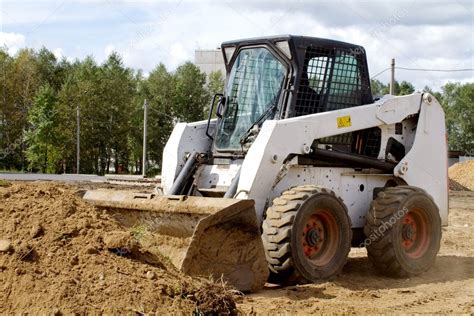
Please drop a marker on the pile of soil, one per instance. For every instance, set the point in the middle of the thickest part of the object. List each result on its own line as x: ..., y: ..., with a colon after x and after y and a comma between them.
x: 461, y: 176
x: 59, y: 255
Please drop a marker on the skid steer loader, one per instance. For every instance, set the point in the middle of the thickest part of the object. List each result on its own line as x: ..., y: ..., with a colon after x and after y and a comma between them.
x: 301, y: 163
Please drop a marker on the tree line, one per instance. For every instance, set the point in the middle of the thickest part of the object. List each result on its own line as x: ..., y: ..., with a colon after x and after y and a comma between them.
x: 41, y: 95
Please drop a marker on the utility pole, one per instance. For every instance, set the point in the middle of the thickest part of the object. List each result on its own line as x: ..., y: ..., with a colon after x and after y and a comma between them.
x: 145, y: 125
x: 392, y: 78
x: 78, y: 139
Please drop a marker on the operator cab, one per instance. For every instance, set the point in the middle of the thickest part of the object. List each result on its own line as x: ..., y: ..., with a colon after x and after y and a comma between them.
x: 288, y: 76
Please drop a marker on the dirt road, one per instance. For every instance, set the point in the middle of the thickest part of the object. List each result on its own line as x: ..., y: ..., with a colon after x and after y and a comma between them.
x: 447, y: 288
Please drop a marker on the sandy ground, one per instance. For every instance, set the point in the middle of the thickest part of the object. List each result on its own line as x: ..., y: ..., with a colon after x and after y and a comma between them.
x: 447, y: 288
x: 62, y: 256
x: 67, y: 274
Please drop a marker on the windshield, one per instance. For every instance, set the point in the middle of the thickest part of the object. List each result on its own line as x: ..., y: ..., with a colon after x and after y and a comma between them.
x: 254, y: 86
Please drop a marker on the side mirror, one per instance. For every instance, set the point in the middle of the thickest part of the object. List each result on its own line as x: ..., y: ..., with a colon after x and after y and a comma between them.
x: 218, y: 111
x: 220, y: 106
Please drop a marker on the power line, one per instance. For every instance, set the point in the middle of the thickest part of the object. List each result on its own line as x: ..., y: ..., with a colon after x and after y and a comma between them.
x: 422, y: 69
x: 379, y: 73
x: 162, y: 113
x: 440, y: 70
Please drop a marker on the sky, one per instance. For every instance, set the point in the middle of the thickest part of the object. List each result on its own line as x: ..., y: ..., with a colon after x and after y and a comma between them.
x: 417, y: 33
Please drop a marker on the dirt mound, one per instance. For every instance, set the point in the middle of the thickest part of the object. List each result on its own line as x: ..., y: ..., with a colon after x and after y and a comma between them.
x: 461, y: 176
x: 62, y: 256
x: 455, y: 186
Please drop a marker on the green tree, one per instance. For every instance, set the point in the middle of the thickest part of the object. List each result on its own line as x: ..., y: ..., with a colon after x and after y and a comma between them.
x: 458, y: 104
x: 117, y: 89
x: 49, y: 70
x: 191, y: 96
x: 215, y: 82
x: 378, y: 88
x: 105, y: 97
x: 7, y: 111
x: 135, y: 137
x: 437, y: 95
x: 19, y: 87
x: 404, y: 88
x: 159, y: 90
x: 215, y: 85
x: 82, y: 90
x: 43, y: 137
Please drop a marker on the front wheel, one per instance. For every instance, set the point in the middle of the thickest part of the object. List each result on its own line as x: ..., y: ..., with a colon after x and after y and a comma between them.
x: 306, y: 235
x: 403, y: 231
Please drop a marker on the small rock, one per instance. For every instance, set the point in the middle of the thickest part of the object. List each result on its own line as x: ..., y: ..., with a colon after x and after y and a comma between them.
x: 151, y: 275
x: 119, y: 240
x: 92, y: 251
x: 101, y: 276
x: 406, y: 291
x: 74, y: 260
x: 36, y: 231
x: 5, y: 245
x: 19, y: 271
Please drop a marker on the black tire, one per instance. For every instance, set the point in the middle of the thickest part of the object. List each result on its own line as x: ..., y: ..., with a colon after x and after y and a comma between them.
x: 403, y: 231
x: 306, y: 235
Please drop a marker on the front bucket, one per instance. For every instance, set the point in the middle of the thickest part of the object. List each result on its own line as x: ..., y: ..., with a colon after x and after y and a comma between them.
x: 214, y: 237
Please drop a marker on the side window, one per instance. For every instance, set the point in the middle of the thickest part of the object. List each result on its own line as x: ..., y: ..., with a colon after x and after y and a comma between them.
x: 345, y: 85
x: 318, y: 71
x: 313, y: 85
x: 346, y: 74
x: 331, y: 79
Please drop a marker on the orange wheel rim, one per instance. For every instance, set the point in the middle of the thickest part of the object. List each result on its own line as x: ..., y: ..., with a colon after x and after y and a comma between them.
x: 416, y: 233
x: 320, y: 237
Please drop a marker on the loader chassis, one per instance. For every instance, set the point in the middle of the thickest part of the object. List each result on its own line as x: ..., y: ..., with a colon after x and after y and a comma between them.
x: 265, y: 159
x: 303, y: 155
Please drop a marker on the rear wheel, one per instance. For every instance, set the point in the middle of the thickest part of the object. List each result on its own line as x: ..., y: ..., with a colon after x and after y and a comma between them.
x: 403, y: 231
x: 307, y: 235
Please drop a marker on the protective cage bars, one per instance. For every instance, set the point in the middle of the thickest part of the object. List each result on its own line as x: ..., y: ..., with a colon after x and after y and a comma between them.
x: 332, y: 79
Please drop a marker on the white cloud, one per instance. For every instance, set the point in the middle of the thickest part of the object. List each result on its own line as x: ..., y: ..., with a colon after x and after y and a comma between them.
x: 39, y: 13
x: 13, y: 41
x: 109, y: 49
x: 415, y: 46
x: 58, y: 53
x: 178, y: 55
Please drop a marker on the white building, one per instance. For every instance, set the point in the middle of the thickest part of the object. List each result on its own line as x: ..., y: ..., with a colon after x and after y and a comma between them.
x: 209, y: 60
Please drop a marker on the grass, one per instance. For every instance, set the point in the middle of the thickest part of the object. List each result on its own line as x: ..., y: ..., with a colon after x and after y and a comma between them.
x: 4, y: 183
x: 138, y: 232
x: 11, y: 171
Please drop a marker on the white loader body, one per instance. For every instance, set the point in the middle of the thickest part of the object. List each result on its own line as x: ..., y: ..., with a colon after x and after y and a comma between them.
x: 265, y: 172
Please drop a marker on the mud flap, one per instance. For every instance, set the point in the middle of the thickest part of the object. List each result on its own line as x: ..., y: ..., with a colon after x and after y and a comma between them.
x: 223, y: 236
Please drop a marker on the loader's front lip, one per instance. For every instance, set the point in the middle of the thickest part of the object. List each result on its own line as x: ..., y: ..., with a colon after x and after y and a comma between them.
x: 154, y: 202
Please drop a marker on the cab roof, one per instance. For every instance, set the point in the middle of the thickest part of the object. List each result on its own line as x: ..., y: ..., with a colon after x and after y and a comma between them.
x: 296, y: 40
